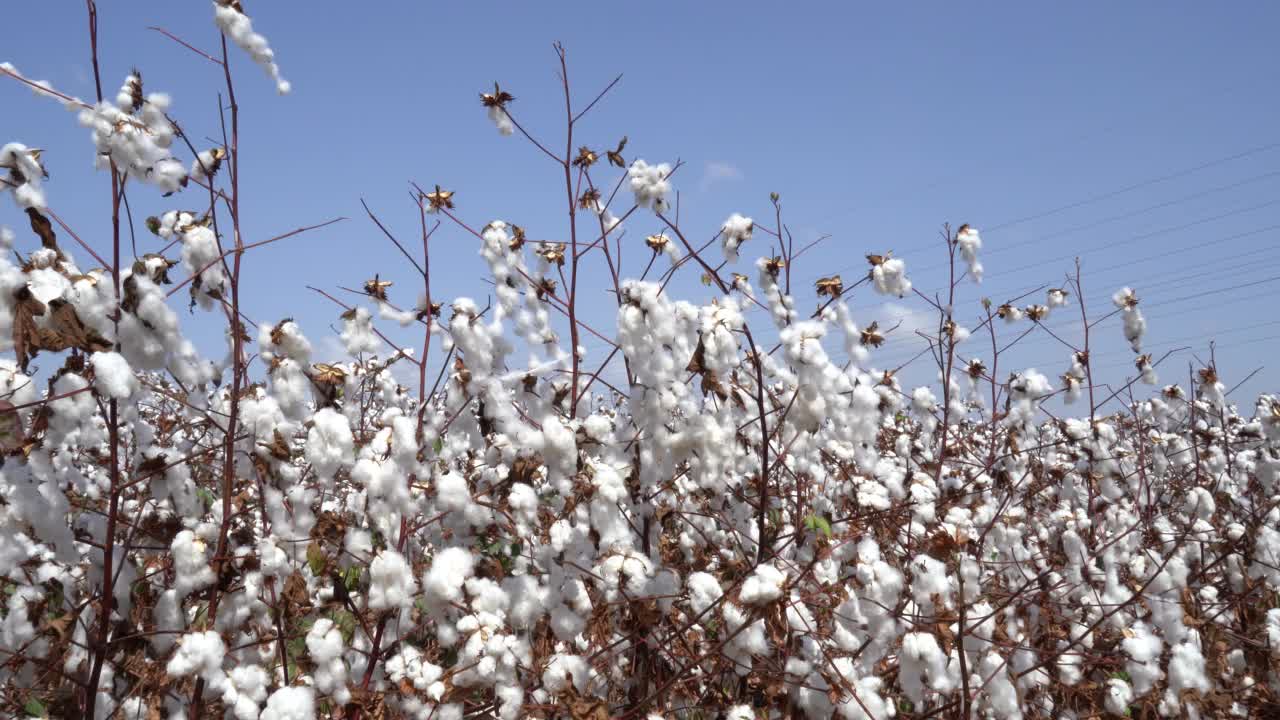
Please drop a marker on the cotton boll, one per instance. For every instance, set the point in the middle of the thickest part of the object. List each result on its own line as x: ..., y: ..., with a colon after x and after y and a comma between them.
x: 112, y: 375
x: 890, y: 277
x: 324, y: 644
x: 1118, y: 696
x: 330, y: 444
x: 733, y: 233
x: 25, y: 176
x: 969, y: 243
x: 498, y: 115
x: 200, y: 654
x: 650, y: 185
x: 705, y: 590
x: 246, y: 691
x: 236, y: 25
x: 357, y: 332
x: 190, y: 565
x: 1135, y: 325
x: 443, y: 581
x: 290, y: 703
x: 391, y: 582
x: 763, y: 586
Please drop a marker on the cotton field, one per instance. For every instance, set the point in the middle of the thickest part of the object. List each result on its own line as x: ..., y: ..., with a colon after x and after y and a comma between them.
x: 737, y: 509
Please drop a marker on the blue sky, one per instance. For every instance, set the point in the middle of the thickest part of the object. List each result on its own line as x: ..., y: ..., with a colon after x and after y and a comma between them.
x: 1141, y: 136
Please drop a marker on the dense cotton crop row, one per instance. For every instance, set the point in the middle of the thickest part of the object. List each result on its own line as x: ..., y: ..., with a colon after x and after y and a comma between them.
x: 704, y: 524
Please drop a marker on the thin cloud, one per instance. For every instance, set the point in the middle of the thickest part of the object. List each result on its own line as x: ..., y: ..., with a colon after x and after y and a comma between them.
x: 716, y: 171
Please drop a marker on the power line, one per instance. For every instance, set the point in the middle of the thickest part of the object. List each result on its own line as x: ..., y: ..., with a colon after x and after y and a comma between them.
x: 904, y: 354
x: 1119, y: 191
x: 1135, y: 186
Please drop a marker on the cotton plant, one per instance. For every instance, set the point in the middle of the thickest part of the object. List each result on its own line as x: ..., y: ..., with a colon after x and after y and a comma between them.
x: 718, y: 500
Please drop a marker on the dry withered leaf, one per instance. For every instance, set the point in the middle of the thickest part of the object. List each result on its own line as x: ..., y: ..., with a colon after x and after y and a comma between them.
x: 26, y: 334
x: 12, y: 433
x: 697, y: 362
x: 72, y: 329
x: 43, y: 229
x: 295, y: 592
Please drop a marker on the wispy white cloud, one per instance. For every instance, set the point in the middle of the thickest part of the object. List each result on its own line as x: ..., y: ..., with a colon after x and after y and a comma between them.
x: 717, y: 171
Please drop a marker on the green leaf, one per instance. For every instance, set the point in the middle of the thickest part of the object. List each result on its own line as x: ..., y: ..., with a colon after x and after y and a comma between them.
x: 439, y: 445
x: 205, y: 497
x: 34, y: 708
x: 351, y: 578
x: 818, y: 524
x: 346, y: 624
x: 315, y: 559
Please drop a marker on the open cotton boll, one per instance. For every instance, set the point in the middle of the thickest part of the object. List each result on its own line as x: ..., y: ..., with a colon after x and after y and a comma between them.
x: 330, y: 444
x: 969, y: 243
x: 391, y: 582
x: 191, y: 567
x: 735, y: 231
x: 236, y: 25
x: 290, y: 703
x: 705, y: 590
x: 890, y: 278
x: 1135, y: 325
x: 357, y: 332
x: 324, y: 644
x: 443, y: 581
x: 25, y: 175
x: 650, y: 185
x: 200, y: 654
x: 501, y: 119
x: 112, y: 375
x: 763, y: 586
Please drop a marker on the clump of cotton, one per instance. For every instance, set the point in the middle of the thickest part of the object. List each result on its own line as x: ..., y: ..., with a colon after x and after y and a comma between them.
x: 112, y: 375
x: 1135, y: 325
x: 650, y: 185
x: 290, y: 703
x: 136, y: 137
x: 763, y: 586
x: 25, y: 175
x: 890, y: 277
x: 236, y: 25
x: 969, y: 243
x: 733, y: 233
x: 200, y: 654
x: 391, y: 581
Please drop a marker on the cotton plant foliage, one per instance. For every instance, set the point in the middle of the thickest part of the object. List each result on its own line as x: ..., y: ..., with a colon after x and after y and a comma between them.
x: 741, y: 515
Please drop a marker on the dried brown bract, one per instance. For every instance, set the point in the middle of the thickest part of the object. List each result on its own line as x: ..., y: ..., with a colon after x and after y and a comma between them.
x: 831, y: 287
x: 615, y: 155
x: 497, y: 98
x: 377, y: 288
